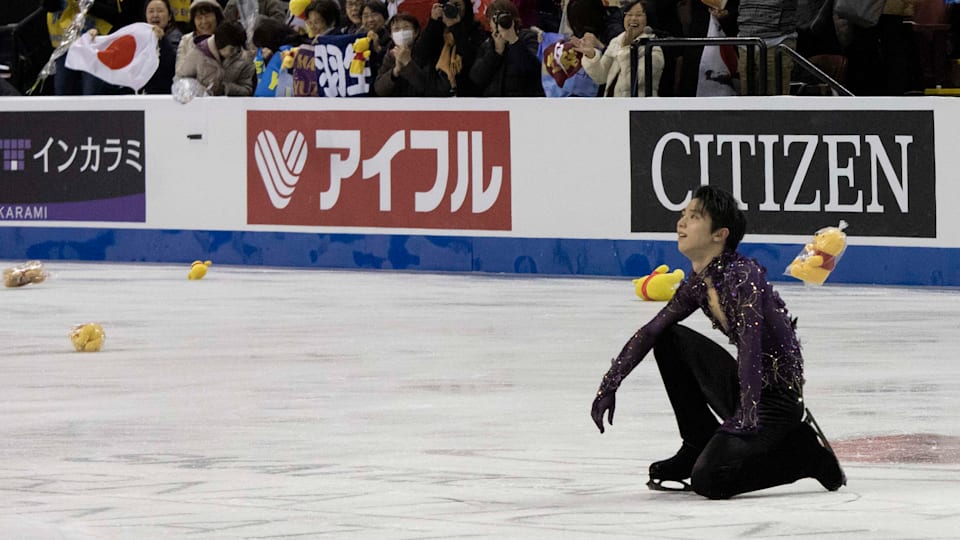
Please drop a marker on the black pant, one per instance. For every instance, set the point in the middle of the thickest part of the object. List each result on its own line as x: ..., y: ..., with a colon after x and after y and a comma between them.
x: 700, y: 375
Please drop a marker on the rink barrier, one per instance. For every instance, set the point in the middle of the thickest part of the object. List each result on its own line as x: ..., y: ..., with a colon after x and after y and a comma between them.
x: 560, y: 187
x: 458, y: 254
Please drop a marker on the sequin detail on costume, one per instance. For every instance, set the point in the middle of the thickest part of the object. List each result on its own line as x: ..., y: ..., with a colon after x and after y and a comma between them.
x: 757, y: 323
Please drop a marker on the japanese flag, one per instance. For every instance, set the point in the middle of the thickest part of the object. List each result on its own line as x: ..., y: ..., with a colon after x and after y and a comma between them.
x: 127, y: 57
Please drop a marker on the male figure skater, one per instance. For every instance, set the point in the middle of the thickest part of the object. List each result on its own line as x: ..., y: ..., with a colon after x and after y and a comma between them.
x: 763, y: 439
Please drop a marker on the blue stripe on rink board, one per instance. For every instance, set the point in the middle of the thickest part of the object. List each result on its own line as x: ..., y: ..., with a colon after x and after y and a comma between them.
x: 547, y: 256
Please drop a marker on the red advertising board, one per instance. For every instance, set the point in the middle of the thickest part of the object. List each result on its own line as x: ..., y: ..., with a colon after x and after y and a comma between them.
x: 405, y: 169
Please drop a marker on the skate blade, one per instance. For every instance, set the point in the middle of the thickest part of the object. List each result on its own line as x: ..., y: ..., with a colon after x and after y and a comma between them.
x: 668, y: 485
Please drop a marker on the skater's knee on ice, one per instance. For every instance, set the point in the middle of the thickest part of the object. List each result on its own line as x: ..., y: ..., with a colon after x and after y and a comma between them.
x: 717, y: 482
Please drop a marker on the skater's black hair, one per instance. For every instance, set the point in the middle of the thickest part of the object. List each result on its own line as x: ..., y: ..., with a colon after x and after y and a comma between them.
x: 724, y: 212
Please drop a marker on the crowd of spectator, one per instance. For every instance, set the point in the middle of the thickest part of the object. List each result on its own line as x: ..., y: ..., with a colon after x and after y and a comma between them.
x: 495, y: 47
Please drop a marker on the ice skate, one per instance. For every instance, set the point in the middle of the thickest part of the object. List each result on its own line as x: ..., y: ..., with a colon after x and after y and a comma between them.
x: 827, y: 469
x: 673, y: 474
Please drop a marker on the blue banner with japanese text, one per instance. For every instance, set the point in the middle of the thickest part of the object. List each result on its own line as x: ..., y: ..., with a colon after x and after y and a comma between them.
x: 72, y: 166
x: 343, y: 66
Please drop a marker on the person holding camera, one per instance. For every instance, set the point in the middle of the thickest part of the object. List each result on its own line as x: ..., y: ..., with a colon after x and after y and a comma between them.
x: 449, y: 43
x: 507, y: 64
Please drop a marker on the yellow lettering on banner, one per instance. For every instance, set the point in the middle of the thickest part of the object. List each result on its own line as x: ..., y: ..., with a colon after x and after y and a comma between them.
x: 304, y: 61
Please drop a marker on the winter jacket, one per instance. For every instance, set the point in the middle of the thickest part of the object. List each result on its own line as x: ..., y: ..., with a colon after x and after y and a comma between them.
x: 232, y: 76
x: 767, y: 18
x: 612, y: 68
x: 515, y: 73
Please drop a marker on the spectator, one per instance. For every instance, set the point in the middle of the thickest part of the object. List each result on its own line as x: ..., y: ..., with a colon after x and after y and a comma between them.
x: 221, y: 63
x: 322, y: 17
x: 882, y: 59
x: 611, y: 67
x: 354, y: 21
x: 159, y: 13
x: 373, y: 15
x: 403, y: 74
x: 205, y: 17
x: 774, y: 21
x: 270, y: 37
x: 103, y: 14
x: 507, y: 64
x: 450, y: 45
x: 592, y: 16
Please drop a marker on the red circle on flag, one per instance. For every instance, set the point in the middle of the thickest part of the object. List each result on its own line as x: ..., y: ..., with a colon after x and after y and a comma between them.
x: 119, y: 53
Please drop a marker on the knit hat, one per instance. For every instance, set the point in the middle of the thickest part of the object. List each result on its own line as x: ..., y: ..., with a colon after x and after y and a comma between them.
x: 212, y: 4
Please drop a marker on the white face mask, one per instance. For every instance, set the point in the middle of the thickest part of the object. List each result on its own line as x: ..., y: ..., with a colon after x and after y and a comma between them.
x: 402, y: 37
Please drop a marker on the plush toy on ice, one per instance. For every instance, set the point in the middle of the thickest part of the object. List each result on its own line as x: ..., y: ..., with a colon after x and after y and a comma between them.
x: 198, y: 269
x: 660, y: 285
x: 814, y: 264
x: 24, y: 274
x: 87, y: 337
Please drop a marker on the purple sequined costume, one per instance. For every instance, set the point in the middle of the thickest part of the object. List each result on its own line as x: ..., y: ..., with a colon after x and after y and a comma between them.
x: 757, y: 323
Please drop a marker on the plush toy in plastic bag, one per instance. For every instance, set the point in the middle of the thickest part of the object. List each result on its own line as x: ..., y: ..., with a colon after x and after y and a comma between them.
x: 184, y: 90
x: 24, y: 274
x: 819, y: 258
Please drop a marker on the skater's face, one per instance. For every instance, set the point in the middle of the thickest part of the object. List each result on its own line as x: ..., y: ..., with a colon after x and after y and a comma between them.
x: 695, y: 239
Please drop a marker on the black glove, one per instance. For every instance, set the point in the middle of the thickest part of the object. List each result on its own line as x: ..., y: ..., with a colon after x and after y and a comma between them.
x: 601, y: 404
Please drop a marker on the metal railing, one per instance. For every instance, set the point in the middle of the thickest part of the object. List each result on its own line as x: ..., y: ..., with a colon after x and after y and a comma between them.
x: 756, y: 87
x: 649, y: 43
x: 809, y: 67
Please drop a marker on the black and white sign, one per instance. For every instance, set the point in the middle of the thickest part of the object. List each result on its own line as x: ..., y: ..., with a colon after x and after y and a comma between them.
x: 793, y: 172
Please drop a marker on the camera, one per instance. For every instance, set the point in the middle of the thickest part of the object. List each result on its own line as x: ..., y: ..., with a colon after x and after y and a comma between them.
x: 503, y: 20
x: 451, y: 10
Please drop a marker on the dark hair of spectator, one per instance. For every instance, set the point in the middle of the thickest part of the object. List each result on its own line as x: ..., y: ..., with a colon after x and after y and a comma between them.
x: 649, y: 8
x: 230, y: 33
x: 273, y: 34
x: 165, y: 3
x: 376, y: 6
x: 497, y: 7
x: 586, y: 16
x: 329, y: 11
x: 724, y: 212
x: 404, y: 17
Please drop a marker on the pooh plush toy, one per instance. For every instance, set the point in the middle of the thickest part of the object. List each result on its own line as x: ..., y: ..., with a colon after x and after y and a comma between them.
x: 820, y: 257
x: 361, y: 53
x: 198, y: 269
x: 297, y: 7
x: 87, y: 337
x: 660, y: 285
x: 24, y: 274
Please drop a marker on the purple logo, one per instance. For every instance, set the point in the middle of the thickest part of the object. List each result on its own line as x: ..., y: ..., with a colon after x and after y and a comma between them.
x: 13, y: 153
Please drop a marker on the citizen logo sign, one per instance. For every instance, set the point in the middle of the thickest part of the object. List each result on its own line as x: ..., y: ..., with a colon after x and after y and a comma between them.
x: 399, y: 169
x: 792, y: 172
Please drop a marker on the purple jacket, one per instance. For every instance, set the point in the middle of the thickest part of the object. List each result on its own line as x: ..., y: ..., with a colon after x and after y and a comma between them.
x: 768, y: 352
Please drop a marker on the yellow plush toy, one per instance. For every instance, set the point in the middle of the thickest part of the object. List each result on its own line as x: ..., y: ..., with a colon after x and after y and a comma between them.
x: 297, y: 7
x: 361, y: 53
x: 198, y: 269
x: 660, y: 285
x: 87, y: 337
x: 819, y: 258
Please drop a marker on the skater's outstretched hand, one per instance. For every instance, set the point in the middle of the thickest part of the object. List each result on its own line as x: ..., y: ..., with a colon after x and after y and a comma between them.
x: 601, y: 404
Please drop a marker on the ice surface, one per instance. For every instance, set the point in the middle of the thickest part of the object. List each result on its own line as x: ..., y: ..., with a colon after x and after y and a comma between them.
x: 262, y: 403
